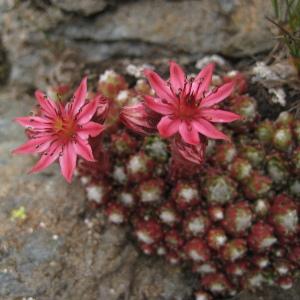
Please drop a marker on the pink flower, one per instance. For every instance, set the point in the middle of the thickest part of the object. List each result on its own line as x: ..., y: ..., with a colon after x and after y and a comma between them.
x: 187, y: 106
x: 61, y: 131
x: 192, y: 153
x: 139, y: 118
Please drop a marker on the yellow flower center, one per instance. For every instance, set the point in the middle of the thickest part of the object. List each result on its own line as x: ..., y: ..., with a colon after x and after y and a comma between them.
x: 65, y: 128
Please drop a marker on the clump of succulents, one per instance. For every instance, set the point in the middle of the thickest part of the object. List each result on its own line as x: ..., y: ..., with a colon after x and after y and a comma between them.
x: 226, y: 209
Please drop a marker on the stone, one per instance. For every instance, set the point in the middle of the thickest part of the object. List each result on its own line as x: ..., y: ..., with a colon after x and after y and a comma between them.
x: 4, y: 65
x: 86, y: 7
x: 38, y: 34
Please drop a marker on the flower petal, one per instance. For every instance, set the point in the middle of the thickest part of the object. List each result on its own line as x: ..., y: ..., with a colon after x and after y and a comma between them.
x: 34, y: 122
x: 167, y: 127
x: 219, y: 95
x: 47, y: 158
x: 177, y: 76
x: 207, y: 129
x: 218, y: 115
x: 87, y: 112
x: 202, y: 81
x: 47, y: 106
x: 90, y: 129
x: 36, y: 145
x: 188, y: 133
x: 139, y: 118
x: 160, y: 86
x: 79, y: 96
x: 192, y: 153
x: 103, y: 106
x: 67, y: 161
x: 83, y: 149
x: 156, y: 105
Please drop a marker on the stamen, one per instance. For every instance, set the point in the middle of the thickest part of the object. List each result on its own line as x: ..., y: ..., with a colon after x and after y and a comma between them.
x: 199, y: 85
x: 172, y: 90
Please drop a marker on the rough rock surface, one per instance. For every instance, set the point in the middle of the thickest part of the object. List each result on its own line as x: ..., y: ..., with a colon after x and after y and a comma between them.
x: 37, y: 34
x: 86, y: 7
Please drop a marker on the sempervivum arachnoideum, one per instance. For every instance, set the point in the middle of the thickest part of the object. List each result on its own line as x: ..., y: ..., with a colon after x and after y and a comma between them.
x: 223, y: 220
x: 283, y: 138
x: 151, y: 191
x: 224, y: 154
x: 238, y: 218
x: 285, y: 282
x: 111, y: 83
x: 261, y: 207
x: 261, y: 237
x: 234, y: 250
x: 201, y: 295
x: 168, y: 214
x: 257, y: 186
x: 285, y: 118
x: 253, y: 280
x: 139, y: 166
x: 186, y: 194
x: 240, y: 169
x: 237, y: 270
x: 148, y: 231
x: 205, y: 268
x: 245, y: 106
x: 260, y: 261
x: 216, y: 238
x: 173, y: 239
x: 283, y: 133
x: 123, y: 143
x: 277, y: 169
x: 253, y: 152
x: 97, y: 192
x: 284, y: 217
x: 116, y: 213
x: 197, y: 250
x: 265, y: 131
x: 219, y: 189
x: 196, y: 223
x: 217, y: 284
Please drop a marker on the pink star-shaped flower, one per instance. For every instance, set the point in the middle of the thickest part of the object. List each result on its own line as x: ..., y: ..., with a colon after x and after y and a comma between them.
x: 187, y: 106
x: 61, y: 131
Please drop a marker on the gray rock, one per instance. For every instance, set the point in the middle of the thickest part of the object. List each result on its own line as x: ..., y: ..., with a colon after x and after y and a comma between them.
x: 37, y: 34
x: 86, y: 7
x: 4, y: 65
